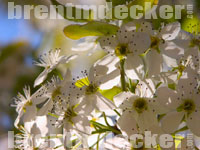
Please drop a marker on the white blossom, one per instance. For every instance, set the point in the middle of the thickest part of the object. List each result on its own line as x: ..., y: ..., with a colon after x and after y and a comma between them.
x: 49, y: 62
x: 128, y: 44
x: 91, y: 97
x: 163, y: 48
x: 183, y: 104
x: 26, y: 104
x: 139, y: 109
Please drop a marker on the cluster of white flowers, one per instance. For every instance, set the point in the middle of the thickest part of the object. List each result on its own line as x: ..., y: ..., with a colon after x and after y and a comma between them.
x: 147, y: 81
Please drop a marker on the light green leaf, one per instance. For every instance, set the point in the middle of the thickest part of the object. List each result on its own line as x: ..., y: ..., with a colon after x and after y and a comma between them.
x: 109, y: 94
x: 93, y: 28
x: 172, y: 86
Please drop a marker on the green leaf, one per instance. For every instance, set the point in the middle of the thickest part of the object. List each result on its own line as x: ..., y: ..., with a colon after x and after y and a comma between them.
x: 172, y: 86
x: 93, y: 28
x: 72, y: 17
x: 109, y: 94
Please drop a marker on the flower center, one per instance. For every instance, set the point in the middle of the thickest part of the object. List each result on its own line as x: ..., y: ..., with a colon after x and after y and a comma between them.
x: 56, y: 92
x: 140, y: 105
x: 69, y: 114
x: 28, y: 103
x: 195, y: 42
x: 188, y: 106
x: 91, y: 89
x: 155, y: 41
x: 121, y: 50
x: 181, y: 68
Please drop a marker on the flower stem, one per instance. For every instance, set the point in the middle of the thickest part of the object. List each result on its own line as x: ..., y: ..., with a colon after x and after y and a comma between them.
x: 98, y: 142
x: 122, y: 73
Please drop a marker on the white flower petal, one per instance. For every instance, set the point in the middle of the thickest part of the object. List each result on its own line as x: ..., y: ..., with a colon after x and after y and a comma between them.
x: 137, y: 45
x: 45, y: 108
x: 17, y: 120
x: 187, y: 87
x: 127, y: 123
x: 104, y: 104
x: 108, y: 43
x: 193, y: 55
x: 30, y: 114
x: 67, y: 76
x: 87, y: 104
x: 169, y: 62
x: 109, y: 63
x: 110, y: 80
x: 38, y: 97
x: 124, y: 33
x: 134, y: 67
x: 81, y: 124
x: 66, y: 59
x: 168, y: 98
x: 41, y: 78
x: 171, y: 49
x: 120, y: 98
x: 117, y: 143
x: 156, y: 107
x: 85, y: 44
x: 166, y: 78
x: 154, y: 62
x: 193, y: 123
x: 146, y: 27
x: 146, y: 119
x: 92, y: 74
x: 42, y: 124
x: 171, y: 121
x: 171, y: 31
x: 146, y: 88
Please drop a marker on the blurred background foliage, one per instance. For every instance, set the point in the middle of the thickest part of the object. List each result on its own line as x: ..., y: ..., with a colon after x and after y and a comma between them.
x: 22, y: 41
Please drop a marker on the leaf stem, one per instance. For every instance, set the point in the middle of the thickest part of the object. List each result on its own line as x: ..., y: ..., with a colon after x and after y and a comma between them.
x: 122, y: 73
